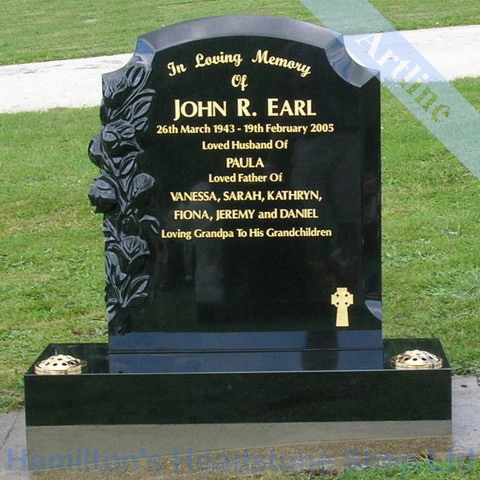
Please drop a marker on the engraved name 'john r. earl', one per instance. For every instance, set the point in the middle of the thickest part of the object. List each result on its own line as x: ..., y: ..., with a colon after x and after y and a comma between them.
x: 242, y: 108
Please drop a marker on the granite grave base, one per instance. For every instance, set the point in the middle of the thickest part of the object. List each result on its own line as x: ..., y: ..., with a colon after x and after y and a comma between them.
x: 239, y: 183
x: 159, y: 414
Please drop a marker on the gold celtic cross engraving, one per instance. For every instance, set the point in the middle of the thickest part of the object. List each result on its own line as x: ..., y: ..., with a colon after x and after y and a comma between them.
x: 342, y: 299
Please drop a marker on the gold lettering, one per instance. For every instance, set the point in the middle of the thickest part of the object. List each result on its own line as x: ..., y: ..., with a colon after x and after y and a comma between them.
x: 263, y: 56
x: 244, y: 162
x: 243, y: 105
x: 189, y: 109
x: 207, y: 61
x: 191, y: 215
x: 240, y: 196
x: 295, y: 108
x: 235, y: 214
x: 176, y: 68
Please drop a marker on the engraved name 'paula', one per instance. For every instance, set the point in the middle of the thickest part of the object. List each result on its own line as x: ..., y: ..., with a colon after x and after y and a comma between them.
x: 274, y: 107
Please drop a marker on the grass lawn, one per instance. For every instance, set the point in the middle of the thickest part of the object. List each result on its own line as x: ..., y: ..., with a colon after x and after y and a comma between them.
x: 431, y: 227
x: 51, y: 243
x: 59, y: 29
x: 388, y: 471
x: 51, y: 252
x: 51, y: 249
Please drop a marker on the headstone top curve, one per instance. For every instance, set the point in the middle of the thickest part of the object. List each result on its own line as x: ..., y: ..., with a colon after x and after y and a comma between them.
x: 259, y: 26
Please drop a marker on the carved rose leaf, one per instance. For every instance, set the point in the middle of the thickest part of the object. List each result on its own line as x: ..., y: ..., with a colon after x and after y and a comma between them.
x: 115, y: 276
x: 136, y: 291
x: 110, y: 231
x: 112, y: 304
x: 152, y: 222
x: 127, y: 165
x: 135, y: 75
x: 141, y: 184
x: 138, y: 110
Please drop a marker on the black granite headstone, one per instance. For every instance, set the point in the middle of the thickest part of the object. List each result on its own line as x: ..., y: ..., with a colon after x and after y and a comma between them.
x: 240, y: 185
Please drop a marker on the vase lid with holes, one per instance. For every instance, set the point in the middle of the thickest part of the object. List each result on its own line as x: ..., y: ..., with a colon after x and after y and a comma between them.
x: 60, y: 365
x: 416, y: 360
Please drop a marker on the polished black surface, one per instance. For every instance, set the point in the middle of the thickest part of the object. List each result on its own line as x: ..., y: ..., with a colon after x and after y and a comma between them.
x: 245, y: 351
x: 244, y: 82
x: 246, y: 341
x: 252, y: 362
x: 103, y: 398
x: 265, y: 131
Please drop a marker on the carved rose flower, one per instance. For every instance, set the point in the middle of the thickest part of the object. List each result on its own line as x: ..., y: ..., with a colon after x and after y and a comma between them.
x: 120, y: 190
x: 131, y: 252
x: 118, y: 137
x: 134, y: 249
x: 95, y: 151
x: 114, y: 89
x: 117, y: 88
x: 130, y: 223
x: 102, y: 195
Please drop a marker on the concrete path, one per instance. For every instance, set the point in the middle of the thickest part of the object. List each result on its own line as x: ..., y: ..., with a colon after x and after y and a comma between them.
x: 454, y: 52
x: 12, y: 441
